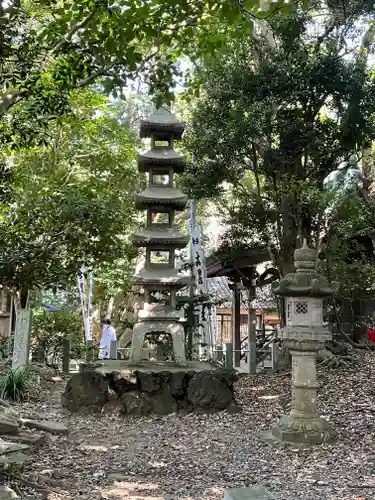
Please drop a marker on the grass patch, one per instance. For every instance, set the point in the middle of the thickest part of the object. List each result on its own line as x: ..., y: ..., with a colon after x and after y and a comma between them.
x: 15, y: 383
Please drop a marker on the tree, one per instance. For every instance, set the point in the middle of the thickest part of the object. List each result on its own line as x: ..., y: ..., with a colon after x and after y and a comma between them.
x: 277, y: 115
x: 49, y: 48
x: 70, y: 203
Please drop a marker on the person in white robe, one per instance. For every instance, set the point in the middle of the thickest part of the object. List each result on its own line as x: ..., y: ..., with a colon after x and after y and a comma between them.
x: 108, y: 336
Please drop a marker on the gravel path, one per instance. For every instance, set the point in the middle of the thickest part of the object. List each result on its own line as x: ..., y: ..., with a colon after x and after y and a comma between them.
x: 190, y: 456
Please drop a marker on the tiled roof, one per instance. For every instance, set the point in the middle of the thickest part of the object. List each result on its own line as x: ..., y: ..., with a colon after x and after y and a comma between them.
x: 218, y: 288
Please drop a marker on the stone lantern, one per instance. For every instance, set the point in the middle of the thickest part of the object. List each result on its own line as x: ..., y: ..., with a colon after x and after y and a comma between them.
x: 304, y: 335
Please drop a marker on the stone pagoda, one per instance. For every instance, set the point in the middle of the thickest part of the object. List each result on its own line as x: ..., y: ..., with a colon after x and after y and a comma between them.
x: 159, y: 278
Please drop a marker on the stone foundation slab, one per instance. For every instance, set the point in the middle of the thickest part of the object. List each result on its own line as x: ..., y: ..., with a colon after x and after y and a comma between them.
x: 252, y: 493
x: 158, y: 388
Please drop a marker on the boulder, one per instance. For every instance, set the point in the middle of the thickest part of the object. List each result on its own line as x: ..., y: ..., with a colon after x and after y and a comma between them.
x: 145, y: 392
x: 209, y: 392
x: 85, y: 389
x: 7, y: 493
x: 150, y: 382
x: 136, y: 403
x: 121, y: 384
x: 142, y: 403
x: 178, y: 383
x: 8, y: 426
x: 226, y: 375
x: 163, y: 403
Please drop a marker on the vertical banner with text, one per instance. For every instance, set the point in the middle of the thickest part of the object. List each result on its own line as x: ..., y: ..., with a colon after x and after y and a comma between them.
x: 200, y: 276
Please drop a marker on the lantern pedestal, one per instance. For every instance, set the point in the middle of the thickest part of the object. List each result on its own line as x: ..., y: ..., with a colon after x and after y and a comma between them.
x: 303, y: 424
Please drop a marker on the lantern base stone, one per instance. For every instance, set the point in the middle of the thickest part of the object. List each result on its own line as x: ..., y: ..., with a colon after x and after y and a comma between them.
x: 314, y: 430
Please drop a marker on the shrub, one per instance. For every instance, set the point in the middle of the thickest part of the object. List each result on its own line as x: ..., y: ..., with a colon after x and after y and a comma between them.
x: 51, y: 328
x: 15, y: 383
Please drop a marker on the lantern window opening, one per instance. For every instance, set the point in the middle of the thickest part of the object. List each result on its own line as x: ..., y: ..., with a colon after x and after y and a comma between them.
x: 159, y: 216
x: 301, y: 307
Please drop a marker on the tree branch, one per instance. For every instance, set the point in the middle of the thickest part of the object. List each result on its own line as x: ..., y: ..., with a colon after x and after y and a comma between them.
x: 10, y: 100
x: 370, y: 347
x: 100, y: 72
x: 106, y: 71
x: 73, y: 30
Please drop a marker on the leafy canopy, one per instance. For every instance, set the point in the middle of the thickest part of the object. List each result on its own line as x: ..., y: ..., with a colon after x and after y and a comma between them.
x: 71, y: 202
x: 277, y: 113
x: 49, y: 47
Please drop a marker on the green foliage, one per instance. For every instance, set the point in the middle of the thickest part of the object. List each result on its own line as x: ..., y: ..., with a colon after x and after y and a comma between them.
x: 4, y: 347
x: 349, y: 250
x: 163, y: 345
x: 49, y: 48
x: 49, y: 329
x: 71, y: 202
x: 277, y: 113
x: 15, y: 383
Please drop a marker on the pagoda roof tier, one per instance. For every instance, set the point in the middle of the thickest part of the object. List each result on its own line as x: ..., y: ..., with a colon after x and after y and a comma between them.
x: 164, y: 276
x: 163, y: 157
x: 160, y: 234
x: 161, y: 195
x: 163, y: 124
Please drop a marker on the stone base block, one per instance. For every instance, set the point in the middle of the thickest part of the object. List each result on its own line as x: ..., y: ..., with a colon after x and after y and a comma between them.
x: 253, y: 493
x: 302, y: 430
x: 160, y: 390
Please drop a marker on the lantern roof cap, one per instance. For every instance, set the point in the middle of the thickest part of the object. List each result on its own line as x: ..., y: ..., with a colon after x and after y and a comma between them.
x: 304, y: 258
x: 306, y: 281
x: 163, y: 122
x: 161, y: 157
x: 166, y: 196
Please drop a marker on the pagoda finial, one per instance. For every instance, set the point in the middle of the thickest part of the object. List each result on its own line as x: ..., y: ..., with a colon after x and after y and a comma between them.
x: 304, y: 258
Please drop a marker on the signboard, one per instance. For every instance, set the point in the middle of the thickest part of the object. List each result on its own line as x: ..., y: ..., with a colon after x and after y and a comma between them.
x: 199, y: 273
x: 21, y: 343
x: 199, y: 268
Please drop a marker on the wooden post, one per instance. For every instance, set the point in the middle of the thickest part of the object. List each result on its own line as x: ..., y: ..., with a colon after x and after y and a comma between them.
x: 219, y: 353
x: 113, y: 350
x: 88, y: 350
x: 229, y: 355
x: 252, y: 335
x: 66, y: 355
x: 274, y: 350
x: 236, y: 325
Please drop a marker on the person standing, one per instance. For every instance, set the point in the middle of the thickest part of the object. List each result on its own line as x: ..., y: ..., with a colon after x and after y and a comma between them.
x: 108, y: 336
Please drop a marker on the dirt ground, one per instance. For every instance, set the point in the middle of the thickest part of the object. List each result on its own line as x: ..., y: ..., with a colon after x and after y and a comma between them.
x: 196, y: 456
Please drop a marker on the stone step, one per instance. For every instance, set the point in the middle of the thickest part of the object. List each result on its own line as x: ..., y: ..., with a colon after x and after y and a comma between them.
x: 8, y: 426
x: 251, y: 493
x: 45, y: 425
x: 7, y: 493
x: 28, y: 438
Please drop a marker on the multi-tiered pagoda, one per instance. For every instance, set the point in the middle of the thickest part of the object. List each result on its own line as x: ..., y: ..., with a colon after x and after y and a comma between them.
x: 159, y: 278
